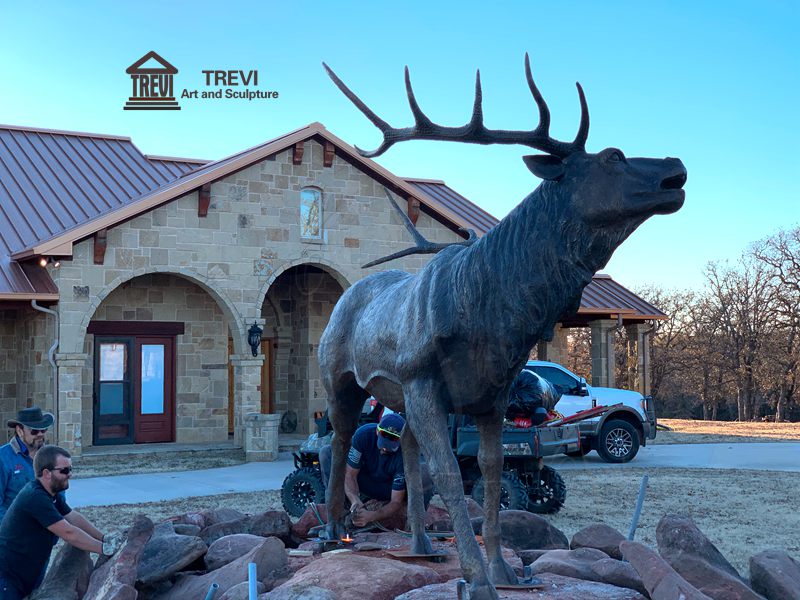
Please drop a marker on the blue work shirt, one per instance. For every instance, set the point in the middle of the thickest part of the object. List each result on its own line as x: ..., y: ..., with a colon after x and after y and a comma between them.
x: 16, y: 470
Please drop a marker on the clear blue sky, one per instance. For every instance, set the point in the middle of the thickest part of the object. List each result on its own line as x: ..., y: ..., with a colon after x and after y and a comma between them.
x: 714, y: 83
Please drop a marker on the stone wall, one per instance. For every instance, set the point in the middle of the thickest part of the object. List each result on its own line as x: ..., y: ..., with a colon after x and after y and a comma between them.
x: 8, y: 368
x: 201, y: 352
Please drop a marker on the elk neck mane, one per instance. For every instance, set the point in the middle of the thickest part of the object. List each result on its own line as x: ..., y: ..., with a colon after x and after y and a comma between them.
x: 531, y: 268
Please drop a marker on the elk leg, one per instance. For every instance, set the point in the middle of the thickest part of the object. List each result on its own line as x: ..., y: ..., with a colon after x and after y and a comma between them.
x: 343, y: 413
x: 420, y: 544
x: 490, y: 461
x: 428, y: 420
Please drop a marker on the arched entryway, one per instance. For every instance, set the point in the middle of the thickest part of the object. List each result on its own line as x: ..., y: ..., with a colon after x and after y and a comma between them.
x: 157, y: 368
x: 296, y: 310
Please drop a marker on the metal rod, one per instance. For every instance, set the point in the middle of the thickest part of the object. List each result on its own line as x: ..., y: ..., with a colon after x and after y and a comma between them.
x: 252, y: 581
x: 637, y: 513
x: 212, y: 589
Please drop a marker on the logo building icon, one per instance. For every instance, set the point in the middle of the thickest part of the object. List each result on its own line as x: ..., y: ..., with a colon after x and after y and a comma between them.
x: 152, y: 86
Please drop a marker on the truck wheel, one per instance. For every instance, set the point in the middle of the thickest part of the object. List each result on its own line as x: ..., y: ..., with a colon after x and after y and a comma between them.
x: 513, y: 495
x: 618, y: 442
x: 302, y: 488
x: 586, y: 447
x: 550, y: 495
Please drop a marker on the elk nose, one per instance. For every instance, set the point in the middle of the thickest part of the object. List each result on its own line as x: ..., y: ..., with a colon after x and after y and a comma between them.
x: 674, y: 182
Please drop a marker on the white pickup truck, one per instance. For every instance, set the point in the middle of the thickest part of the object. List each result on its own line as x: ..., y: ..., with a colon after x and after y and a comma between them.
x: 616, y: 435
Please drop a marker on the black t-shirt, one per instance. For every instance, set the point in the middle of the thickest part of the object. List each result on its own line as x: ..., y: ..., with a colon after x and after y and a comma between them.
x: 379, y: 473
x: 25, y: 541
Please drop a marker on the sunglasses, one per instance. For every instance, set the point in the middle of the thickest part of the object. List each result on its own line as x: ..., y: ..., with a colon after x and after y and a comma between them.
x: 37, y: 431
x: 389, y: 434
x: 62, y: 470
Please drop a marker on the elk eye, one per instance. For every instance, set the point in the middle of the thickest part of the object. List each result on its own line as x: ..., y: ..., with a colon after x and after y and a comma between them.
x: 616, y: 156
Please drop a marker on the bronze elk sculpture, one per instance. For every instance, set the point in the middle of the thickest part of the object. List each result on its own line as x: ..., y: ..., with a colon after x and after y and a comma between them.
x: 452, y: 338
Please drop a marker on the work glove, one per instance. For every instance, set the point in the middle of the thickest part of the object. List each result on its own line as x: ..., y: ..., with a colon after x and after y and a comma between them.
x: 112, y: 542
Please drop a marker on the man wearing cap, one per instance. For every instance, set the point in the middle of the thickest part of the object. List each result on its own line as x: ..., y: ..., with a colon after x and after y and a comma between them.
x: 374, y: 470
x: 16, y: 457
x: 37, y: 514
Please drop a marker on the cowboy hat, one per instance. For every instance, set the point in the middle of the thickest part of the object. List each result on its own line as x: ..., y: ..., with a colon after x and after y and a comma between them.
x: 32, y: 418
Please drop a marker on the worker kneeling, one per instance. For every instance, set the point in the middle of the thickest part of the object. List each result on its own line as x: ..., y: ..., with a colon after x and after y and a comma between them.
x: 374, y: 482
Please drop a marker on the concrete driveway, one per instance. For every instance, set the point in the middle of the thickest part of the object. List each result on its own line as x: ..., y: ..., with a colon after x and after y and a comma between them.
x: 252, y: 477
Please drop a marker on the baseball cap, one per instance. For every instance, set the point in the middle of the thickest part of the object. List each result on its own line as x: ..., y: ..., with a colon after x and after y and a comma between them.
x: 389, y: 430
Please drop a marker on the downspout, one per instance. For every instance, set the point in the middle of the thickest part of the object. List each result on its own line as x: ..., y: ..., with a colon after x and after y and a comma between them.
x: 51, y: 356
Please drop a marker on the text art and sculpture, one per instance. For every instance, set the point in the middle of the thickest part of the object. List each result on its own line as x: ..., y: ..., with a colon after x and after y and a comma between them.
x: 453, y: 337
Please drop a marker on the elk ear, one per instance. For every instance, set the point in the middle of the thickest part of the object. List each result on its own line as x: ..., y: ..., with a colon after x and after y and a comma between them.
x: 545, y: 166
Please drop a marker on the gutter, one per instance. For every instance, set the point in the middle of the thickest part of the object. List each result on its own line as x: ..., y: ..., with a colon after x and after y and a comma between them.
x: 51, y: 356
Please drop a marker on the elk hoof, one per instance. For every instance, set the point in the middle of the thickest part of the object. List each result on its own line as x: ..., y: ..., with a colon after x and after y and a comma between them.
x: 483, y: 591
x: 501, y: 573
x: 334, y: 531
x: 421, y: 544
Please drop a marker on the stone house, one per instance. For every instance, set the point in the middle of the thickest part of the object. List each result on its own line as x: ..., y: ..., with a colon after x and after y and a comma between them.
x: 130, y: 284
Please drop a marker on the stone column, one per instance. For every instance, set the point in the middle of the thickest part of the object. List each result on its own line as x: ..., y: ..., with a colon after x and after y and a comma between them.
x: 603, y: 352
x: 556, y: 350
x: 70, y: 383
x: 639, y: 357
x: 246, y: 390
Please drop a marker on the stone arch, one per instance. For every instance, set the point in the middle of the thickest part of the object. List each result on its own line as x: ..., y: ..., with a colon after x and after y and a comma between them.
x: 324, y: 264
x: 232, y: 314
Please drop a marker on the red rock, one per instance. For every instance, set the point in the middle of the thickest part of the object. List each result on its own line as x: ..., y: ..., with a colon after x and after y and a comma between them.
x: 677, y: 534
x: 309, y: 520
x: 600, y: 536
x: 776, y: 575
x: 229, y: 548
x: 713, y: 582
x: 570, y: 563
x: 660, y: 579
x: 619, y: 573
x: 365, y: 578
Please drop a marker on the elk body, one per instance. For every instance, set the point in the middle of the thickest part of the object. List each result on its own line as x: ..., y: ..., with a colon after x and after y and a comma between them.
x: 453, y: 337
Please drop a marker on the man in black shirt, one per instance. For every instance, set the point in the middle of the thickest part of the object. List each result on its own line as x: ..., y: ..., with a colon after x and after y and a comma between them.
x: 37, y: 513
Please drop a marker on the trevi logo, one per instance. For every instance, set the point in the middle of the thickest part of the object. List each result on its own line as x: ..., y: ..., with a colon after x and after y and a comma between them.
x: 152, y: 79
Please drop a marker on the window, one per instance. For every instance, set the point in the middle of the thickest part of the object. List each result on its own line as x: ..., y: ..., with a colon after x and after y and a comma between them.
x: 564, y: 384
x: 311, y: 214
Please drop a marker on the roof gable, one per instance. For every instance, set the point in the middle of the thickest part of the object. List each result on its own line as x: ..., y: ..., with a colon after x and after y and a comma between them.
x: 166, y: 67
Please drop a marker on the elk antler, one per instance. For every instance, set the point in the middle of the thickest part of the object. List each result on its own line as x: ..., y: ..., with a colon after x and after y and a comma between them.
x: 423, y: 246
x: 473, y: 132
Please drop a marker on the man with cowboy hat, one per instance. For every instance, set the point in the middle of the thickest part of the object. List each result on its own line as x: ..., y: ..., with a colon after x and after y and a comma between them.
x: 16, y: 457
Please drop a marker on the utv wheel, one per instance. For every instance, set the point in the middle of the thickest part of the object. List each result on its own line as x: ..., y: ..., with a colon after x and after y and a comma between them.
x: 618, y: 442
x: 586, y: 447
x: 301, y: 488
x: 549, y: 497
x: 513, y: 495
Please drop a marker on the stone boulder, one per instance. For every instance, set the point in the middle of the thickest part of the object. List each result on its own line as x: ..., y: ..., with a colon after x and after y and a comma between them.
x: 311, y: 592
x: 67, y: 577
x: 354, y: 576
x: 212, y: 516
x: 218, y: 530
x: 775, y: 574
x: 556, y: 587
x: 269, y: 557
x: 186, y: 529
x: 192, y: 518
x: 621, y: 574
x: 273, y: 523
x: 229, y: 548
x: 521, y: 530
x: 677, y: 534
x: 600, y: 536
x: 710, y: 580
x: 166, y: 554
x: 531, y: 556
x: 570, y: 563
x: 241, y: 591
x: 114, y: 579
x: 660, y: 579
x: 300, y: 529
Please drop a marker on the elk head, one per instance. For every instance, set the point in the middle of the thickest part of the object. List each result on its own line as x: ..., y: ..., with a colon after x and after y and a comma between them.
x: 605, y: 190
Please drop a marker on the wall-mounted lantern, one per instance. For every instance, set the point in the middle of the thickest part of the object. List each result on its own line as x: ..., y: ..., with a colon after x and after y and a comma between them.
x: 254, y: 338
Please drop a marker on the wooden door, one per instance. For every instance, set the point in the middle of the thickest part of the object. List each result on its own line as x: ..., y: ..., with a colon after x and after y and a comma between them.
x: 113, y: 398
x: 154, y: 394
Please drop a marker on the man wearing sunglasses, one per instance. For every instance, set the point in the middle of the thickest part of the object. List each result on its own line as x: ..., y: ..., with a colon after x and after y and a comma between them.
x: 38, y: 512
x: 16, y: 457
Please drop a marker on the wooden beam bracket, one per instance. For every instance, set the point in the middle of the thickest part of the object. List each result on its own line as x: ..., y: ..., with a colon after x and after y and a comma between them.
x: 297, y: 156
x: 330, y: 151
x: 413, y: 209
x: 100, y: 244
x: 203, y: 200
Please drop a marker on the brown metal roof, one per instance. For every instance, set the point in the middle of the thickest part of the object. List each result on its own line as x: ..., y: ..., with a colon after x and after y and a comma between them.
x: 437, y: 191
x: 51, y: 181
x: 604, y: 296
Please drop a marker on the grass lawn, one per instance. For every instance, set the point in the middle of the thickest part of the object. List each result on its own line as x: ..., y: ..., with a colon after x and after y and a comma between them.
x: 686, y: 431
